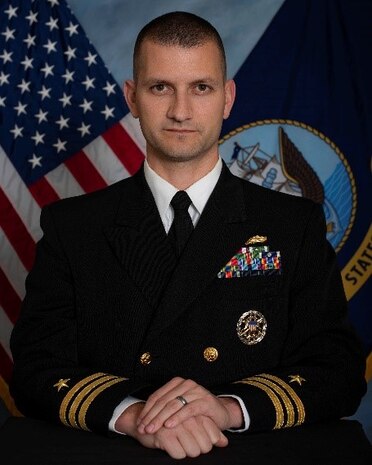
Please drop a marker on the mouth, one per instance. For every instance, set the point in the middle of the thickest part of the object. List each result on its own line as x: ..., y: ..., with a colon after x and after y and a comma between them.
x: 180, y: 131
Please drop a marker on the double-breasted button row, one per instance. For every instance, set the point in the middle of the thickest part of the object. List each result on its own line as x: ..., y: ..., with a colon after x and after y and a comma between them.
x: 146, y: 358
x: 210, y: 354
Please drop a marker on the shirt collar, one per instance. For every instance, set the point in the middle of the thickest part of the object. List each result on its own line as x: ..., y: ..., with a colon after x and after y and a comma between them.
x: 199, y: 192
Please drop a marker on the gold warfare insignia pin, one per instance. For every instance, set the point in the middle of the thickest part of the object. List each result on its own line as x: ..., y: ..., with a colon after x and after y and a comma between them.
x: 251, y: 327
x: 256, y: 240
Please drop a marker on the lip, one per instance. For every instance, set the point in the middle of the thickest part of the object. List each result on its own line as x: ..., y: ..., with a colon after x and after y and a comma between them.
x: 181, y: 131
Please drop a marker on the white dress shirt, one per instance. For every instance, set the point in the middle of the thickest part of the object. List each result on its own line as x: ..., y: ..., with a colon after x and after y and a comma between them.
x: 163, y: 192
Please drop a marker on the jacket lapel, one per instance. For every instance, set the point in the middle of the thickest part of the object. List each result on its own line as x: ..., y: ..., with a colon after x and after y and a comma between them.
x: 217, y: 237
x: 139, y: 241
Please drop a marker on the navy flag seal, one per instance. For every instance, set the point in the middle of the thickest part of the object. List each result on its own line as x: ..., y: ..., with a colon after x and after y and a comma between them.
x: 251, y: 327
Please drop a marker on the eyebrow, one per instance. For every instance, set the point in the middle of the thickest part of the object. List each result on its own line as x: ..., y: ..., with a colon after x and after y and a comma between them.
x: 205, y: 80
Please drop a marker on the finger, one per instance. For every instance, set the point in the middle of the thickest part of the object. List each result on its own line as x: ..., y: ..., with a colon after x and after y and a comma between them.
x: 168, y: 404
x: 216, y: 436
x: 192, y: 409
x: 158, y: 394
x: 174, y: 449
x: 159, y: 414
x: 222, y: 441
x: 190, y: 442
x: 199, y: 428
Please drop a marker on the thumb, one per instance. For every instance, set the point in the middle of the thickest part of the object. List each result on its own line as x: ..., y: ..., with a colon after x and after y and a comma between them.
x: 222, y: 441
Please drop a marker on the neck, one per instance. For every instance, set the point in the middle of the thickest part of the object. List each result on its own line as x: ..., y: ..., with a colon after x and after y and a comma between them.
x: 182, y: 174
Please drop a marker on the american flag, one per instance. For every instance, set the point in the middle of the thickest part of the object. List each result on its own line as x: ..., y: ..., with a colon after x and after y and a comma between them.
x: 64, y: 131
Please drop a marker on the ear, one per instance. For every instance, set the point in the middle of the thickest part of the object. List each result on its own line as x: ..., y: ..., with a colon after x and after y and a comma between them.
x: 130, y: 96
x: 230, y: 92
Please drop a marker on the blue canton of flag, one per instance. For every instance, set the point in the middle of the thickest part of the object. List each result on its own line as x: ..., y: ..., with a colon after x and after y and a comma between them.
x: 55, y: 93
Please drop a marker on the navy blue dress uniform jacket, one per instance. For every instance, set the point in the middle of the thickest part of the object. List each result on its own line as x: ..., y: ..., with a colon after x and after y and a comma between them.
x: 109, y: 311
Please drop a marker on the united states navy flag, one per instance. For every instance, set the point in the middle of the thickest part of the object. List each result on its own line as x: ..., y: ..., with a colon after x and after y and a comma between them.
x: 302, y: 124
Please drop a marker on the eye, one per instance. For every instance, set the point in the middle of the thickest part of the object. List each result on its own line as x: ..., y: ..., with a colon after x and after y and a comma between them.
x: 159, y: 89
x: 202, y: 88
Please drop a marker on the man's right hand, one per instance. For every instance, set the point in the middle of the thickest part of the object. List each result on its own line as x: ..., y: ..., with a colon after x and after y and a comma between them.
x: 193, y: 437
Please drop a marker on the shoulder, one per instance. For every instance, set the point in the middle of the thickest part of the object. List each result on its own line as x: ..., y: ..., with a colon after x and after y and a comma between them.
x: 90, y: 212
x: 272, y: 200
x: 104, y: 200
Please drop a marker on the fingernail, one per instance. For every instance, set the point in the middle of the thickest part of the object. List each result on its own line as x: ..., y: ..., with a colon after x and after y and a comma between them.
x: 170, y: 423
x: 141, y: 428
x: 150, y: 428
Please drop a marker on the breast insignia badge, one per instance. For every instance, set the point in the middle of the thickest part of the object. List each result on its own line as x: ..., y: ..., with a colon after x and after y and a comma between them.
x: 251, y: 327
x: 256, y: 240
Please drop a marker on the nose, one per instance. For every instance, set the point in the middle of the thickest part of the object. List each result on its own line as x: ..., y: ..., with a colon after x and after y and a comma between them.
x: 180, y: 107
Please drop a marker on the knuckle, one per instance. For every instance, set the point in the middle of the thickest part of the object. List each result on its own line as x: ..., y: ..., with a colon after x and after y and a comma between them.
x: 207, y: 448
x: 175, y: 404
x: 189, y: 383
x: 152, y: 398
x: 192, y: 409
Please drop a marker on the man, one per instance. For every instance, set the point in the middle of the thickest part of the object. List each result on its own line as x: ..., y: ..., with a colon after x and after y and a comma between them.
x: 132, y: 323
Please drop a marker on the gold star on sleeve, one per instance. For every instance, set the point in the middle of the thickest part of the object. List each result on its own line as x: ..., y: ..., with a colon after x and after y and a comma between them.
x: 62, y: 383
x: 296, y: 379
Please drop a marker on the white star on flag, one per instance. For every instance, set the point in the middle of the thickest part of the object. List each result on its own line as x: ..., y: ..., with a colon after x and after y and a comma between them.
x: 8, y: 33
x: 21, y: 108
x: 35, y: 161
x: 108, y: 112
x: 17, y: 131
x: 60, y: 145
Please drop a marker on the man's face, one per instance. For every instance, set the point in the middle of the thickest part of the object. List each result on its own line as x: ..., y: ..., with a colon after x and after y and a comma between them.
x: 181, y: 98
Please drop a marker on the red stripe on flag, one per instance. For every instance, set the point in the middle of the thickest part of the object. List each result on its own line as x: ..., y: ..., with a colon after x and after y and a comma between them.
x: 84, y: 172
x: 124, y: 147
x: 9, y: 299
x: 43, y: 192
x: 16, y: 232
x: 6, y: 365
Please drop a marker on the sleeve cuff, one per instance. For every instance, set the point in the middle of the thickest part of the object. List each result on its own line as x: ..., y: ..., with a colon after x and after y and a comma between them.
x: 246, y: 417
x: 124, y: 404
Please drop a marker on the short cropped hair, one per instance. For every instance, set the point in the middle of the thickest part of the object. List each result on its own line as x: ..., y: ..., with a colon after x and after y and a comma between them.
x: 178, y: 28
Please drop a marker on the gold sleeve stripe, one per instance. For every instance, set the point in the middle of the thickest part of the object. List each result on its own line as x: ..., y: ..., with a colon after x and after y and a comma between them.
x: 90, y: 399
x: 293, y: 395
x: 68, y: 397
x: 274, y: 399
x: 82, y: 394
x: 283, y: 396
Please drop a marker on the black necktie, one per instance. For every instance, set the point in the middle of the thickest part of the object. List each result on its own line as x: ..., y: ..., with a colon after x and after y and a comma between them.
x: 182, y: 225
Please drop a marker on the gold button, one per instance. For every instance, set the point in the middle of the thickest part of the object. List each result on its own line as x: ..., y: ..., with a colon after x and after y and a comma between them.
x: 210, y: 354
x: 145, y: 358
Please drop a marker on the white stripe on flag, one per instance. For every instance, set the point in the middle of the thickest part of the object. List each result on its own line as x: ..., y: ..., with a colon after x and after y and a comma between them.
x: 12, y: 265
x: 133, y: 128
x: 63, y: 182
x: 105, y: 161
x: 19, y: 196
x: 6, y: 327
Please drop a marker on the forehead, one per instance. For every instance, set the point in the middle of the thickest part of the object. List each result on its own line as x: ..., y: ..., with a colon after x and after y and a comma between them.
x: 166, y: 61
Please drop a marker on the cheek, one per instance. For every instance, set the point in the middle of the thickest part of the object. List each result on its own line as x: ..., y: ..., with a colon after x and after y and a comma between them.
x: 212, y: 111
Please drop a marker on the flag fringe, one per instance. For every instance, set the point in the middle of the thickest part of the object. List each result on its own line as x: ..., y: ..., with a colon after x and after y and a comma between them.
x: 8, y: 401
x: 369, y: 367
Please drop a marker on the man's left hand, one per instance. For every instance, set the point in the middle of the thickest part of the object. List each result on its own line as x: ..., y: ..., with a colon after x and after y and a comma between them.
x: 164, y: 409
